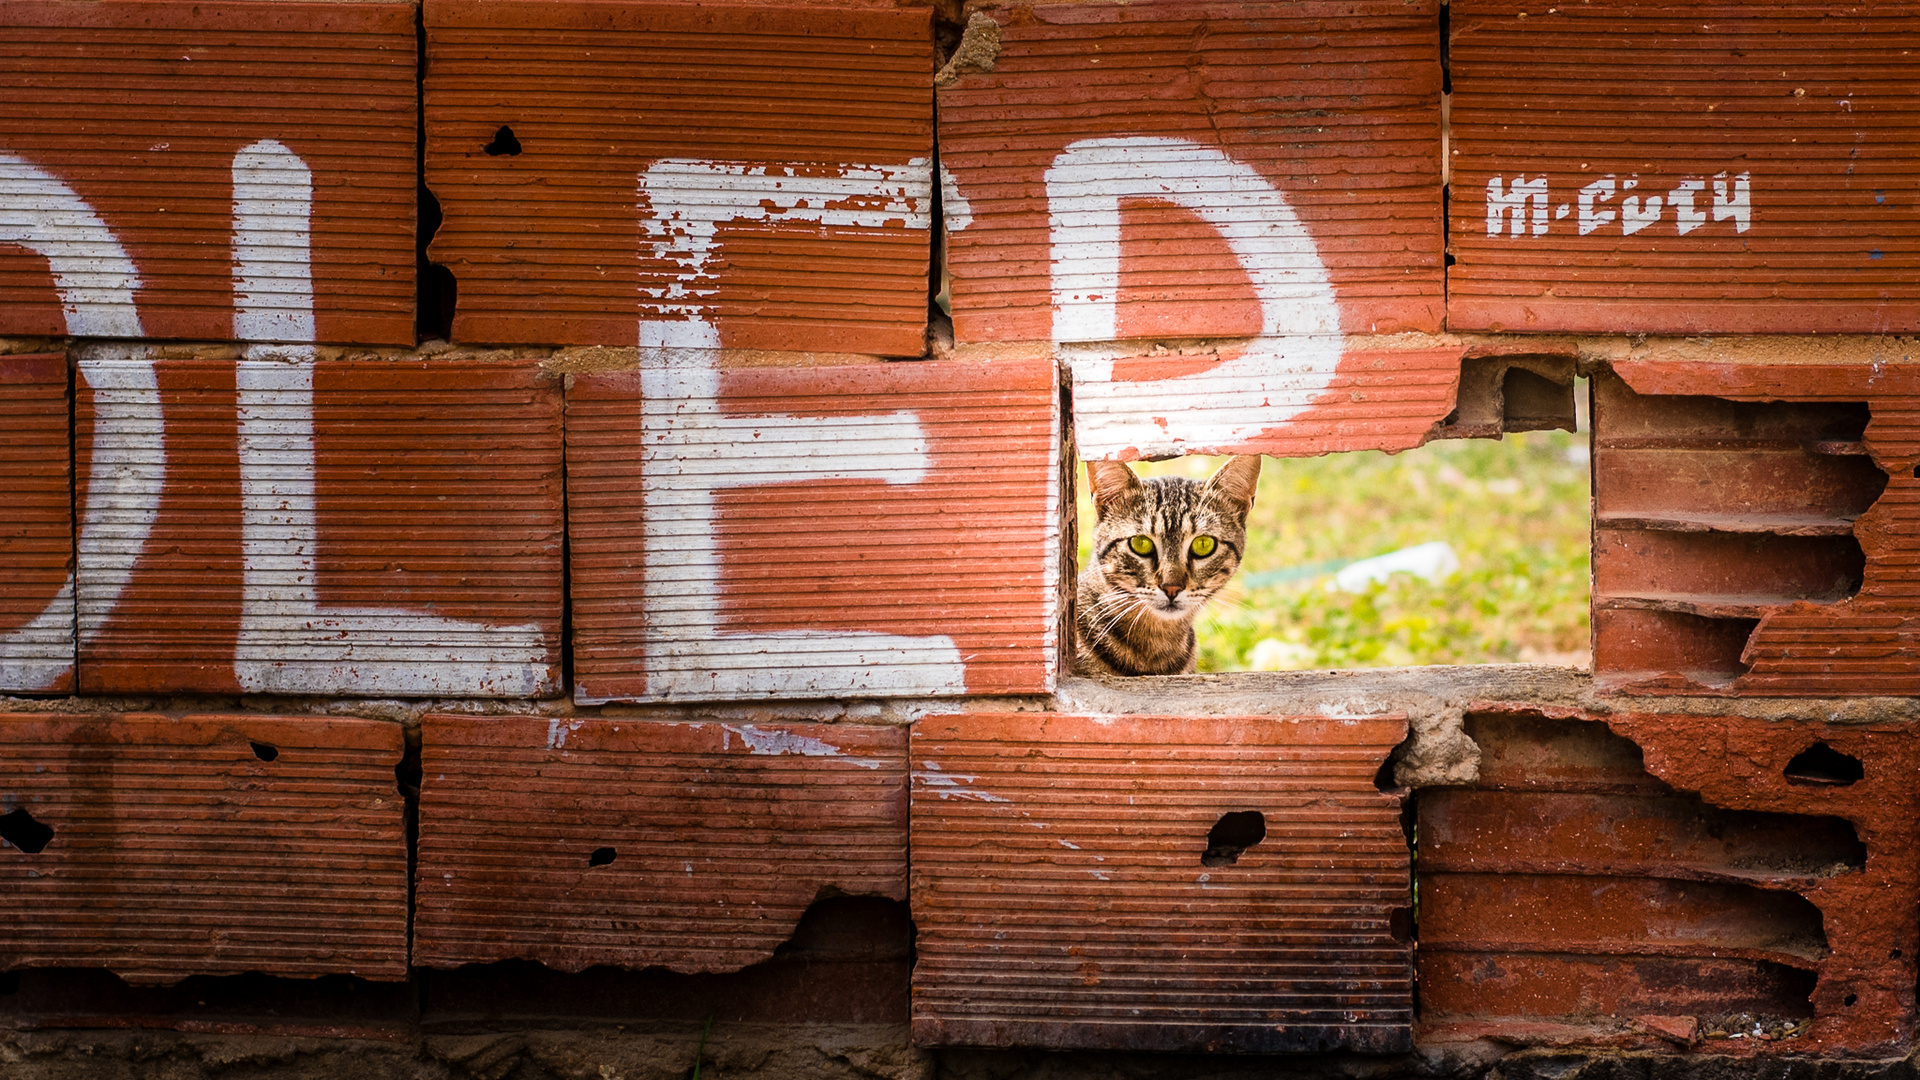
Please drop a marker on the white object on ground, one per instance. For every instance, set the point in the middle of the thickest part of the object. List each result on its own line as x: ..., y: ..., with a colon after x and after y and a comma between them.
x: 1432, y: 561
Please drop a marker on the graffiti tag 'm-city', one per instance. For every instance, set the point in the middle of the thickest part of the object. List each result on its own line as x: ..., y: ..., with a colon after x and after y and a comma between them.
x: 1520, y: 208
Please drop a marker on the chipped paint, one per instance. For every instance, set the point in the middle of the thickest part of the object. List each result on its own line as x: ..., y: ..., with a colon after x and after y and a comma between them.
x: 955, y: 786
x: 685, y: 203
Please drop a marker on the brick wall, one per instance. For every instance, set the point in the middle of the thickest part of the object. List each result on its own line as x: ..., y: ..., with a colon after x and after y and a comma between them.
x: 537, y: 534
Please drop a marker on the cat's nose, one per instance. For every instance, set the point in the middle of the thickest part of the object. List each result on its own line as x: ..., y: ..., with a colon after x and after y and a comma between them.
x: 1172, y: 591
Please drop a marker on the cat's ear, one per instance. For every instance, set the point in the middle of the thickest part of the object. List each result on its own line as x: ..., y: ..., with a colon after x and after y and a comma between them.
x: 1237, y: 480
x: 1113, y: 483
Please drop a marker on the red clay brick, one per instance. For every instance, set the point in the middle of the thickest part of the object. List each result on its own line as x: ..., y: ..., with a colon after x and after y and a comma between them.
x: 1647, y: 166
x: 756, y: 177
x: 1065, y: 896
x: 203, y: 845
x: 36, y: 534
x: 795, y: 532
x: 346, y: 527
x: 140, y: 134
x: 691, y: 846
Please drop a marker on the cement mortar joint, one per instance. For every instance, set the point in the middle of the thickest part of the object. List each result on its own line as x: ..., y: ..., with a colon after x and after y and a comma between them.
x: 1433, y: 699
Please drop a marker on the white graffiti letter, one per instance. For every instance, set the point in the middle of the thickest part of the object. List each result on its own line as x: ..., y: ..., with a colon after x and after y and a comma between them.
x: 685, y: 201
x: 694, y: 449
x: 1733, y: 198
x: 1599, y: 191
x: 289, y: 642
x: 1512, y: 201
x: 1633, y: 217
x: 1681, y: 199
x: 95, y: 280
x: 1282, y: 372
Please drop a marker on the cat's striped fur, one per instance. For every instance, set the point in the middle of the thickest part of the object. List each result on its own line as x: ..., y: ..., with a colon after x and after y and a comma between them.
x: 1146, y: 578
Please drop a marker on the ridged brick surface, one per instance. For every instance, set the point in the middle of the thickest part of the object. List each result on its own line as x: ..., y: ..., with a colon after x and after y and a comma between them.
x: 123, y: 141
x: 1062, y: 900
x: 36, y: 533
x: 1644, y: 165
x: 691, y: 846
x: 1129, y: 178
x: 763, y: 172
x: 344, y: 527
x: 1758, y: 528
x: 1335, y: 106
x: 878, y: 529
x: 1642, y: 880
x: 203, y: 845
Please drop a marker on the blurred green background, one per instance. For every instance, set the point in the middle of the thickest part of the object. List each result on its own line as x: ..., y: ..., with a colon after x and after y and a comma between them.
x: 1514, y: 511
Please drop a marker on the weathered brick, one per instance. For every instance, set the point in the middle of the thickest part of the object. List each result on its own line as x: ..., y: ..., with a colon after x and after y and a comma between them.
x: 159, y: 847
x: 234, y: 171
x: 878, y: 529
x: 691, y: 846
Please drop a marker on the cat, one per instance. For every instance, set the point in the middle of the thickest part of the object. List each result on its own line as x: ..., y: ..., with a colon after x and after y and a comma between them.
x: 1161, y: 549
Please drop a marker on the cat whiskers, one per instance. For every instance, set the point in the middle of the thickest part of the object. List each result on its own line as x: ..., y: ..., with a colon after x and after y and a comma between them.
x: 1112, y: 608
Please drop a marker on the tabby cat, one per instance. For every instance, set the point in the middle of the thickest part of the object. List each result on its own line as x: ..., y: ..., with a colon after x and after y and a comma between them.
x: 1161, y: 549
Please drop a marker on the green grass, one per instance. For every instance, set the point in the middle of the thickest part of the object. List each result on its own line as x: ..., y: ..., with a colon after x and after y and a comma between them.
x: 1515, y: 512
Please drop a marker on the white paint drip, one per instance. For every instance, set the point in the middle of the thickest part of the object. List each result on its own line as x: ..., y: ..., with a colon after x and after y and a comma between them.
x: 685, y: 201
x: 952, y: 785
x: 288, y: 642
x: 95, y: 280
x: 693, y: 449
x: 760, y: 741
x: 1281, y: 373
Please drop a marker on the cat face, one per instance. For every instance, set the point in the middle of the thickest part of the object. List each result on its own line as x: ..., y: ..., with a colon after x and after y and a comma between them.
x: 1169, y: 544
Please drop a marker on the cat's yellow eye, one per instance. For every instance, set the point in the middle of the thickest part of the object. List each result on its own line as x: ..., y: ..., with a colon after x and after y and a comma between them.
x: 1202, y: 546
x: 1141, y: 545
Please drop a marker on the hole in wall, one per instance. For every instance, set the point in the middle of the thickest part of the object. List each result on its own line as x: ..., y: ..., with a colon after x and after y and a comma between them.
x: 1457, y: 552
x: 504, y: 143
x: 23, y: 831
x: 602, y: 856
x: 264, y: 751
x: 1822, y: 764
x: 1711, y: 514
x: 1850, y: 1000
x: 439, y: 289
x: 1400, y: 923
x: 1232, y: 835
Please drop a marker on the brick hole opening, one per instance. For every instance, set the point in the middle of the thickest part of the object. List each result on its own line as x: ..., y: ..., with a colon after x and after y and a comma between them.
x: 1400, y: 923
x: 264, y: 751
x: 1710, y: 515
x: 1822, y: 764
x: 23, y: 831
x: 602, y: 856
x: 1465, y: 550
x: 1232, y: 835
x: 504, y: 143
x: 439, y: 290
x: 1850, y: 1000
x: 1894, y: 954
